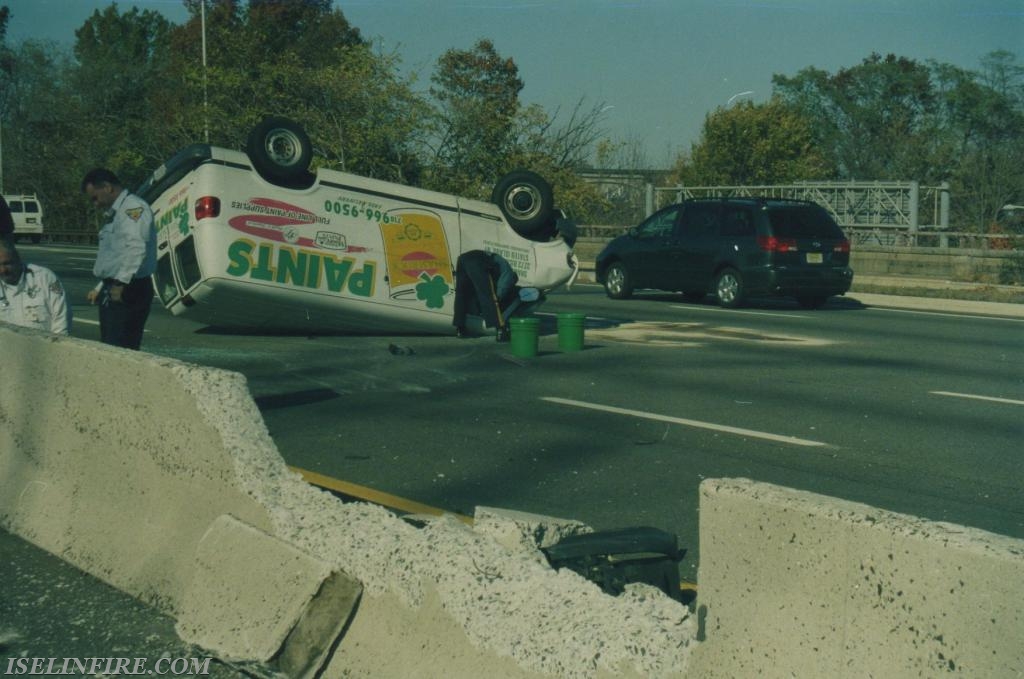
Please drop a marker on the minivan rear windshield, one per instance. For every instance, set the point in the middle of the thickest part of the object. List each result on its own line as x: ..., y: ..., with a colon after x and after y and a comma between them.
x: 803, y: 222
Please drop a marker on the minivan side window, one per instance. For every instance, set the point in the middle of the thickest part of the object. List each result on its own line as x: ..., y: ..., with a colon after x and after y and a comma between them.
x: 737, y: 221
x: 660, y: 224
x: 700, y: 221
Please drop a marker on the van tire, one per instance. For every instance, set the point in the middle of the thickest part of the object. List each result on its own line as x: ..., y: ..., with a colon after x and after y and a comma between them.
x: 729, y: 288
x: 527, y: 201
x: 618, y: 284
x: 280, y: 150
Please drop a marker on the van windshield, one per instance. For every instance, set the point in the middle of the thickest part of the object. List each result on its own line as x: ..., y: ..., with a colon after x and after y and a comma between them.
x: 803, y: 222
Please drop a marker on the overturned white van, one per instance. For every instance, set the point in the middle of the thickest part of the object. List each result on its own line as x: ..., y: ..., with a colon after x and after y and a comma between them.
x: 256, y: 240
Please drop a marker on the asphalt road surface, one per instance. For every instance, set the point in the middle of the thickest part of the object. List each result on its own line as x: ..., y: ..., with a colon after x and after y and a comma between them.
x: 911, y: 411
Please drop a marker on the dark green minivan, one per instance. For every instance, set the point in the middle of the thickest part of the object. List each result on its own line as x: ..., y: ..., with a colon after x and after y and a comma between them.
x: 733, y: 248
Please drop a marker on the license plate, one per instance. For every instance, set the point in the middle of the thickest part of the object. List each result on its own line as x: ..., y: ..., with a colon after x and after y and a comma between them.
x: 814, y: 258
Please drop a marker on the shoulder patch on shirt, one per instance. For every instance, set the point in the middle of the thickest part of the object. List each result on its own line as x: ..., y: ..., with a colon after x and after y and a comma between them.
x: 134, y: 213
x: 56, y: 289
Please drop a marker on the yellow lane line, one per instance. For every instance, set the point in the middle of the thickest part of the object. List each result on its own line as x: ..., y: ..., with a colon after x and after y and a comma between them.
x: 375, y: 496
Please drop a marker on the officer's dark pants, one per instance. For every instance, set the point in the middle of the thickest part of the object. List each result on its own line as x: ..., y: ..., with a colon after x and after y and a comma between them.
x: 122, y: 323
x: 474, y: 289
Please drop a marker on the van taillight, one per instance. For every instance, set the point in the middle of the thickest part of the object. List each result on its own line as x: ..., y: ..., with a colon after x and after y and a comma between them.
x: 842, y: 246
x: 773, y: 244
x: 207, y: 206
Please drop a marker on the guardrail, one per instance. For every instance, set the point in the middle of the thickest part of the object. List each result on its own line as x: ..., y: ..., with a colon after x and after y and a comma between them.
x: 71, y: 237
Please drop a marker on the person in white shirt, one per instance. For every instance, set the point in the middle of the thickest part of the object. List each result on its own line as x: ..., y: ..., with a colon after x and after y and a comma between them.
x: 125, y: 261
x: 31, y: 296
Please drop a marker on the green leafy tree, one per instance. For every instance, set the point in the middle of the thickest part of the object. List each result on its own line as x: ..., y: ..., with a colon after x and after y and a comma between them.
x: 893, y: 118
x: 558, y: 151
x: 42, y: 144
x: 481, y: 131
x: 876, y: 120
x: 986, y: 125
x: 121, y: 61
x: 311, y: 29
x: 751, y: 143
x: 477, y: 95
x: 302, y: 60
x: 364, y: 118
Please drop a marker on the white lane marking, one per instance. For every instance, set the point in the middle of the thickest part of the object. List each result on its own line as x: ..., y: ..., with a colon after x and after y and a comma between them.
x: 977, y: 397
x: 688, y: 423
x: 943, y: 313
x: 743, y: 312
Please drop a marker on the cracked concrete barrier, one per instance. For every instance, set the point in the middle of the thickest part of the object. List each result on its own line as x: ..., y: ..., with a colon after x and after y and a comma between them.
x: 122, y: 462
x: 794, y: 584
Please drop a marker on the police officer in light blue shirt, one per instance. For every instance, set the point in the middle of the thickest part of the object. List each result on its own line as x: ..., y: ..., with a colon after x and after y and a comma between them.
x: 125, y: 261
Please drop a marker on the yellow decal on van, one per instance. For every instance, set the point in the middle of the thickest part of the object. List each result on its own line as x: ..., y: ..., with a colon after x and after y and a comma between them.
x: 299, y: 268
x: 416, y: 250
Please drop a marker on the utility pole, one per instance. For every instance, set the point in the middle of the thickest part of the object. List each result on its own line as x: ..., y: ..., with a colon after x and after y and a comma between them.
x: 206, y: 110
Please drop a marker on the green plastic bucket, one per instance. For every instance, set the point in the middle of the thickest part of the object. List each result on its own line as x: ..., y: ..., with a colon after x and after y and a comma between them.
x: 570, y: 332
x: 523, y: 342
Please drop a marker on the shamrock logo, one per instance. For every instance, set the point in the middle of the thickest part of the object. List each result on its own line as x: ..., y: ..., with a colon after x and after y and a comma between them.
x: 432, y: 290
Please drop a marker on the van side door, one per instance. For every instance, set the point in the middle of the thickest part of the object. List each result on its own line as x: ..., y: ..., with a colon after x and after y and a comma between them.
x: 696, y: 246
x: 648, y: 257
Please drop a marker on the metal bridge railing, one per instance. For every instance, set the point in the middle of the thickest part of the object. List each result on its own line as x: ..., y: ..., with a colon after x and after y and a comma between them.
x: 876, y: 236
x: 893, y: 205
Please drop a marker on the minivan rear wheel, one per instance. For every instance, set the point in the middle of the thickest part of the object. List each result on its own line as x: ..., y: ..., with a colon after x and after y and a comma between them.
x: 617, y: 282
x: 729, y: 288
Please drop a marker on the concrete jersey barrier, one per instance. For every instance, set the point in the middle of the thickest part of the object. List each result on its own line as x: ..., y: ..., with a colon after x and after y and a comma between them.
x: 122, y: 463
x: 160, y: 478
x: 794, y: 584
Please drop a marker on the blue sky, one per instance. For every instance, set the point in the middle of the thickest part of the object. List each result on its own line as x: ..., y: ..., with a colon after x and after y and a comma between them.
x: 658, y: 65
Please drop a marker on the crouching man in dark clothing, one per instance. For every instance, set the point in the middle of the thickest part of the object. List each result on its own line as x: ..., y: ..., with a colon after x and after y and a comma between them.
x: 484, y: 285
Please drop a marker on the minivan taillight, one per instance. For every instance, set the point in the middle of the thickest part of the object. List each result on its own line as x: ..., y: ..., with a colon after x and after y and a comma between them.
x: 773, y: 244
x: 842, y: 246
x: 207, y: 206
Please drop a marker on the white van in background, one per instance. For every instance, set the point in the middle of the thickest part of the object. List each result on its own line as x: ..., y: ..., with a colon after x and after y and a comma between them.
x: 27, y: 212
x: 258, y: 240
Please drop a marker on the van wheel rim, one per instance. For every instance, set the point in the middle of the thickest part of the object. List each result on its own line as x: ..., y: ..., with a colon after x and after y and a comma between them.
x: 615, y: 280
x: 728, y: 287
x: 523, y: 201
x: 283, y: 147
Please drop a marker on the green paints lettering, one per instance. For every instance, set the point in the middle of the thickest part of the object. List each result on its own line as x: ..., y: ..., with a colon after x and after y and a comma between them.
x: 299, y: 268
x: 336, y: 271
x: 238, y: 255
x: 176, y: 213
